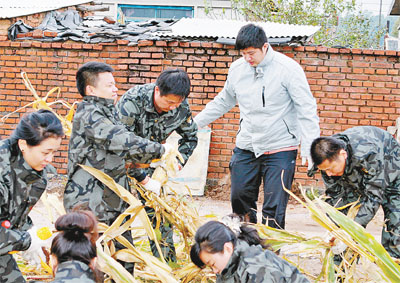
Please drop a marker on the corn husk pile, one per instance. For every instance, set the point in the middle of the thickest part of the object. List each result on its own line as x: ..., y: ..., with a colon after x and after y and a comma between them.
x: 365, y: 261
x: 178, y: 210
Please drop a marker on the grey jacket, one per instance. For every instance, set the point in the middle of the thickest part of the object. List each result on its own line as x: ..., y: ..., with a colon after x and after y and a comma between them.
x: 277, y: 109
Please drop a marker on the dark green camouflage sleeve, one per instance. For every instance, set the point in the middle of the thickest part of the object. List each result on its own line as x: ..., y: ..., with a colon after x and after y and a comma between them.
x: 370, y: 174
x: 187, y: 144
x: 254, y: 265
x: 374, y: 182
x: 10, y: 239
x: 334, y: 191
x: 118, y: 139
x: 275, y: 269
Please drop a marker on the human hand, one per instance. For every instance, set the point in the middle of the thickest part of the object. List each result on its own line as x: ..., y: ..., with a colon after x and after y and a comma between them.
x: 337, y: 246
x: 152, y: 185
x: 308, y: 160
x: 156, y: 163
x: 171, y: 157
x: 168, y: 150
x: 34, y: 254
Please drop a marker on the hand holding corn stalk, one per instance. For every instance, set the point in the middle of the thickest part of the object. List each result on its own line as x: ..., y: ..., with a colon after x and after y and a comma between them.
x: 168, y: 166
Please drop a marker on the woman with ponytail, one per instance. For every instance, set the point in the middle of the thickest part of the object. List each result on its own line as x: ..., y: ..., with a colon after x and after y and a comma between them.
x: 73, y: 250
x: 238, y: 254
x: 24, y: 163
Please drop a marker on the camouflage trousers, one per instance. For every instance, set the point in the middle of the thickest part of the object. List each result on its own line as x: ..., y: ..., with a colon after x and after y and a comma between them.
x: 166, y: 232
x: 9, y: 271
x: 129, y: 266
x: 167, y: 240
x: 391, y: 228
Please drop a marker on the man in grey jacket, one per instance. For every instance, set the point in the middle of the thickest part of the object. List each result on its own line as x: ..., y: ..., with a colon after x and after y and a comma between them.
x: 277, y: 111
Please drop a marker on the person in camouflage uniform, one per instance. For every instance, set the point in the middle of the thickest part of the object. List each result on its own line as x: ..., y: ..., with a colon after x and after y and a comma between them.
x: 362, y: 164
x: 154, y: 111
x: 73, y: 250
x: 240, y: 257
x: 100, y: 140
x: 74, y: 272
x: 24, y: 164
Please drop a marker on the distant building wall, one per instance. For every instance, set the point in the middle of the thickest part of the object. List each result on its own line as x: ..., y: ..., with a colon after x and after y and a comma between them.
x: 220, y: 8
x: 352, y: 86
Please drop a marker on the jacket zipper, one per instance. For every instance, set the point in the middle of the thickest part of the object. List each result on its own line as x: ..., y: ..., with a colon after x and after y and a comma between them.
x: 263, y: 98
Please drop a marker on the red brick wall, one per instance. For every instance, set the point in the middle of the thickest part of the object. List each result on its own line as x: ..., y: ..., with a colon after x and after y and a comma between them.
x: 352, y: 86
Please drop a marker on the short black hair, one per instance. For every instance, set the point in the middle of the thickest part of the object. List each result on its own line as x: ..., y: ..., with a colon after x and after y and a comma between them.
x: 326, y: 148
x: 88, y: 74
x: 250, y: 35
x: 174, y: 81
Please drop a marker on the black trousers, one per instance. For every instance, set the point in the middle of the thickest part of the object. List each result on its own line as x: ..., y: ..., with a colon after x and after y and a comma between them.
x: 247, y: 171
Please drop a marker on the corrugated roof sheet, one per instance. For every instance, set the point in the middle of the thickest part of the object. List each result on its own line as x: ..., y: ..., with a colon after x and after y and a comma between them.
x: 194, y: 27
x: 17, y: 8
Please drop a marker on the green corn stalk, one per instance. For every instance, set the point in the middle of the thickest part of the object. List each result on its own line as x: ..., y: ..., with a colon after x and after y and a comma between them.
x: 352, y: 234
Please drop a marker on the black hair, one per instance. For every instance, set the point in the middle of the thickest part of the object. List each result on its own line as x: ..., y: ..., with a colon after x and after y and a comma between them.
x: 37, y: 126
x: 174, y: 81
x: 326, y: 148
x: 212, y: 236
x: 250, y: 35
x: 88, y: 74
x: 77, y: 237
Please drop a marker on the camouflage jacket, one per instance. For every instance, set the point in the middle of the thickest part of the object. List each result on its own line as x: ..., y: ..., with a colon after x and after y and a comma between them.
x: 100, y: 140
x: 252, y: 264
x: 73, y: 272
x: 136, y: 110
x: 20, y: 189
x: 371, y: 172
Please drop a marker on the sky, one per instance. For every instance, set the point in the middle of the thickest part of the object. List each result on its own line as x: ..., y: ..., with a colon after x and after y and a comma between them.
x: 373, y: 6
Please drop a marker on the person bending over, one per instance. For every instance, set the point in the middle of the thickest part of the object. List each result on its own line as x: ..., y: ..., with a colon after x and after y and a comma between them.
x: 240, y: 256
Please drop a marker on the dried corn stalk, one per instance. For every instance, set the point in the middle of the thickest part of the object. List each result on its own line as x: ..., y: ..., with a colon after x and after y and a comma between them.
x: 168, y: 168
x: 41, y: 103
x: 361, y: 244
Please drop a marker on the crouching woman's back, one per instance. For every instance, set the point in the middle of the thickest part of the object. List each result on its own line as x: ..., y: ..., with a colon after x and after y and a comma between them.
x: 240, y: 257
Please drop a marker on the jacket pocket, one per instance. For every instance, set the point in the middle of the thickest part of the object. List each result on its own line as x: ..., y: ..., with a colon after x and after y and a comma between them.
x: 240, y: 126
x: 288, y: 130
